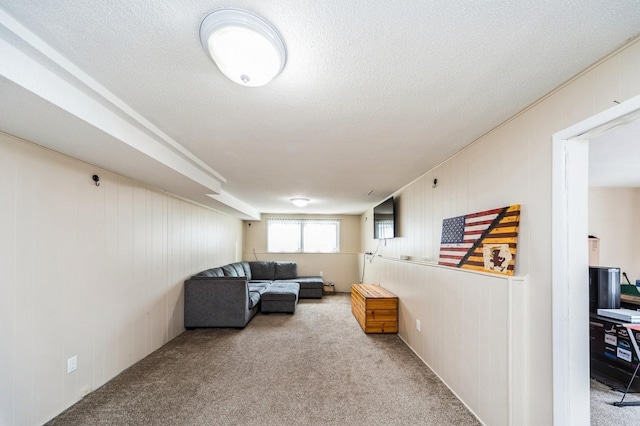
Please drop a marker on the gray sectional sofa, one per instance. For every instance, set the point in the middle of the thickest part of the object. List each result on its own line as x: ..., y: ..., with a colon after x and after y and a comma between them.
x: 230, y: 295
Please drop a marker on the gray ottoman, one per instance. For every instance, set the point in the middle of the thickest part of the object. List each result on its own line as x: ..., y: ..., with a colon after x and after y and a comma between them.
x: 280, y: 297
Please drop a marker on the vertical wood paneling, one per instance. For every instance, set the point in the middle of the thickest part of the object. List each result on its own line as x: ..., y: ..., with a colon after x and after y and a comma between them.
x: 67, y: 244
x: 111, y: 310
x: 499, y: 347
x: 98, y: 282
x: 92, y: 271
x: 437, y: 213
x: 608, y: 84
x: 138, y: 287
x: 483, y: 316
x: 463, y: 328
x: 47, y: 286
x: 23, y: 307
x: 577, y: 100
x: 124, y: 284
x: 154, y: 284
x: 84, y: 265
x: 8, y: 291
x: 472, y: 365
x: 519, y: 353
x: 175, y: 298
x: 630, y: 83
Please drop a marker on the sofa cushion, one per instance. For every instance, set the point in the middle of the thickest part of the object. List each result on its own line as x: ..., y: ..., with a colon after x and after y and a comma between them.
x: 311, y: 282
x: 247, y: 269
x: 280, y: 297
x: 239, y: 269
x: 286, y: 270
x: 282, y: 290
x: 213, y: 272
x: 229, y: 270
x: 233, y: 270
x: 263, y: 270
x: 259, y: 287
x: 308, y: 283
x: 254, y: 298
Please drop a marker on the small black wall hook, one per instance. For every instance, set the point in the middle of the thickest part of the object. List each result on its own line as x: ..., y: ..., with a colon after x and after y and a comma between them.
x: 96, y: 179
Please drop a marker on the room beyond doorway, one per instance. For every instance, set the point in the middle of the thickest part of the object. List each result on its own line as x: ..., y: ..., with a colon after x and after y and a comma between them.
x: 569, y: 272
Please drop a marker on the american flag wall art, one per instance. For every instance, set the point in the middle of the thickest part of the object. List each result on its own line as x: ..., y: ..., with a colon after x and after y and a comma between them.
x: 484, y: 241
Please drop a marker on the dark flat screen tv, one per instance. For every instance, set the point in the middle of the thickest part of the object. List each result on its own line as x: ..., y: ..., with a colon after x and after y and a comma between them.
x: 384, y: 220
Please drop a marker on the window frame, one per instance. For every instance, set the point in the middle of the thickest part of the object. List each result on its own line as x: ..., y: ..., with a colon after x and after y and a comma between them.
x: 302, y: 222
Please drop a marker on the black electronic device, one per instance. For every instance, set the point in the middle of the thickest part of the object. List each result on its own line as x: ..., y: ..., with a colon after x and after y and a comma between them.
x: 604, y: 288
x: 384, y: 220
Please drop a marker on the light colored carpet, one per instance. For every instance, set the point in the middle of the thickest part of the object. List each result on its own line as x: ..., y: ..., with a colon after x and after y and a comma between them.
x: 315, y: 367
x: 604, y: 413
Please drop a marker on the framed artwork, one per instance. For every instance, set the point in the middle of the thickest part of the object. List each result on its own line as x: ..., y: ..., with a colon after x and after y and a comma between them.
x: 484, y: 241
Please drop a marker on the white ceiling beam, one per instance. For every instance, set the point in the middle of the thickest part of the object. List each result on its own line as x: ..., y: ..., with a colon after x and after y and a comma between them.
x: 54, y: 56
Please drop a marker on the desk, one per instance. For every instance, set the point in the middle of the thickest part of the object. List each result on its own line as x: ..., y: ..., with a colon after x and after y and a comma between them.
x: 375, y: 308
x: 611, y: 353
x: 633, y: 330
x: 631, y: 300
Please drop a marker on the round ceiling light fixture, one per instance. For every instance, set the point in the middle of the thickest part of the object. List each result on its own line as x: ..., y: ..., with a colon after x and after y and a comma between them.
x: 300, y: 202
x: 245, y: 47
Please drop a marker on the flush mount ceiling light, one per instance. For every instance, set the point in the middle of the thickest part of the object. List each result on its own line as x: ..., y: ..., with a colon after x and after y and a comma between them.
x: 246, y: 48
x: 300, y: 202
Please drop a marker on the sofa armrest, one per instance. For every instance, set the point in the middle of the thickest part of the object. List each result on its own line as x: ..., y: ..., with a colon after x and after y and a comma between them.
x: 216, y: 302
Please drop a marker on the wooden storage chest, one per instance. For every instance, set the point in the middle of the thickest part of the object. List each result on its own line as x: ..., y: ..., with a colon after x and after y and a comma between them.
x: 375, y: 308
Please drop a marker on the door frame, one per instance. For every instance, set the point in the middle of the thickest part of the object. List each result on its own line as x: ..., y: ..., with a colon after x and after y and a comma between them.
x: 569, y: 231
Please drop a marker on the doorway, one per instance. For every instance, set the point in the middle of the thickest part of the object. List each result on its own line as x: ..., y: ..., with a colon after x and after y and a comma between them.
x: 570, y: 153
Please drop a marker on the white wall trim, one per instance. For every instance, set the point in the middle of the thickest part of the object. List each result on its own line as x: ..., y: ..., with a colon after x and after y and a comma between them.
x: 82, y: 78
x: 27, y: 73
x: 569, y: 255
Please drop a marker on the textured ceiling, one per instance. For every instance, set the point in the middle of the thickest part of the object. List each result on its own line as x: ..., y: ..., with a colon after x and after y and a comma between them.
x: 373, y: 94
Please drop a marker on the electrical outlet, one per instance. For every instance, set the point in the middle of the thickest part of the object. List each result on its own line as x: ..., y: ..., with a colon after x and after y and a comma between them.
x: 85, y: 391
x: 418, y: 325
x: 320, y: 273
x: 72, y: 364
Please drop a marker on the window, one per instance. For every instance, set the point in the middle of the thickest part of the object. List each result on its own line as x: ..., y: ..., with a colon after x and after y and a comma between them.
x: 303, y: 235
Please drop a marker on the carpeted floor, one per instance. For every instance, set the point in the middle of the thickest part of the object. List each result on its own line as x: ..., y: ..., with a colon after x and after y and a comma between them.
x: 315, y: 367
x: 604, y: 413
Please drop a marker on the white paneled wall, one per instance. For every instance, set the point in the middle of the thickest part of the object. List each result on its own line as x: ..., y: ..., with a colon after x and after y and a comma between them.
x: 466, y: 319
x: 91, y: 271
x: 613, y: 217
x: 489, y: 337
